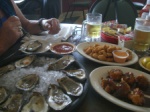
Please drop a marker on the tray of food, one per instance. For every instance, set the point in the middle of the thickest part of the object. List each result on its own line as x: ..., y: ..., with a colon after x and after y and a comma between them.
x: 112, y: 30
x: 123, y: 86
x: 42, y: 83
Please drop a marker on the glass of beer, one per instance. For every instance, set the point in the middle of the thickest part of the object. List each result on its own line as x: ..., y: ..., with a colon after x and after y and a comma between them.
x: 91, y: 27
x: 141, y: 36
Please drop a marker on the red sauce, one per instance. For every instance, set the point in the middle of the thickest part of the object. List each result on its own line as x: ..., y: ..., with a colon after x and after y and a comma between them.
x: 63, y: 48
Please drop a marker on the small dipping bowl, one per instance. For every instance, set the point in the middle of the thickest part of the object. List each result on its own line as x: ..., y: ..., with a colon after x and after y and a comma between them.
x: 120, y: 56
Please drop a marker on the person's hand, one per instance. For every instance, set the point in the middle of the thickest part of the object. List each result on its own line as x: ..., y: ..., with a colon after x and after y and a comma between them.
x: 12, y: 28
x: 52, y: 25
x: 10, y: 31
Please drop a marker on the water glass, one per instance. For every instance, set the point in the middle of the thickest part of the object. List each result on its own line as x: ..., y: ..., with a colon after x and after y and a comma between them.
x: 91, y: 27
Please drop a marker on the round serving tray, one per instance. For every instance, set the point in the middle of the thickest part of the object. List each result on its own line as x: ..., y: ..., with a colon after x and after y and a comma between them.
x: 75, y: 100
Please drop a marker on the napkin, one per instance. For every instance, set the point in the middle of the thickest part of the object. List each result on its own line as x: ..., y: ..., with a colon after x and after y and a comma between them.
x: 64, y: 33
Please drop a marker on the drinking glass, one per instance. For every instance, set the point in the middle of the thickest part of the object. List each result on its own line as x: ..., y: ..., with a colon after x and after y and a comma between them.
x: 91, y: 27
x: 141, y: 40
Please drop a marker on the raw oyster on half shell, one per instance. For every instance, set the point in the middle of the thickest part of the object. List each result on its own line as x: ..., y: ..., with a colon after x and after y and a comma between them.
x: 32, y: 46
x: 3, y: 94
x: 62, y: 63
x: 6, y: 69
x: 79, y: 73
x: 28, y: 82
x: 71, y: 87
x: 13, y: 103
x: 57, y: 99
x: 37, y: 103
x: 24, y: 62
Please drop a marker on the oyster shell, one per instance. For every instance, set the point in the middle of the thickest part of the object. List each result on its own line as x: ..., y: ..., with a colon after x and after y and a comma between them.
x: 57, y: 99
x: 79, y: 73
x: 37, y: 103
x: 6, y: 69
x: 26, y: 61
x: 61, y: 63
x: 71, y: 87
x: 13, y: 103
x: 32, y: 46
x: 3, y: 94
x: 28, y: 82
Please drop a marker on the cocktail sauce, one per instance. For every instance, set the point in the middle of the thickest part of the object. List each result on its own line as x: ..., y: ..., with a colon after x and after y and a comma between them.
x: 63, y: 48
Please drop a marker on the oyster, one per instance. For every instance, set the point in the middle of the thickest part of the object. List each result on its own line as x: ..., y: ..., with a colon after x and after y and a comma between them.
x: 57, y: 99
x: 61, y: 63
x: 32, y: 46
x: 71, y: 87
x: 3, y: 94
x: 26, y: 61
x: 79, y: 73
x: 37, y: 103
x: 6, y: 69
x: 28, y: 82
x: 13, y: 103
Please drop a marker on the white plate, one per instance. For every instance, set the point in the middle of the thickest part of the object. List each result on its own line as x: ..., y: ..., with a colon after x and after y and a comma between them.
x: 140, y: 63
x: 80, y: 47
x: 60, y: 43
x: 45, y: 47
x: 95, y: 79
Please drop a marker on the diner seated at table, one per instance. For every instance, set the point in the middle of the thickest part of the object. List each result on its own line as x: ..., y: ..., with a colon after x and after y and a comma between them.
x: 13, y: 24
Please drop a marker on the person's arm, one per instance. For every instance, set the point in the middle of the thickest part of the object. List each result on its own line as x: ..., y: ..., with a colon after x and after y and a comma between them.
x: 33, y: 27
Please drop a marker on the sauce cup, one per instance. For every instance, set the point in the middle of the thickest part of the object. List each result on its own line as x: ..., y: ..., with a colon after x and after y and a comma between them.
x: 120, y: 56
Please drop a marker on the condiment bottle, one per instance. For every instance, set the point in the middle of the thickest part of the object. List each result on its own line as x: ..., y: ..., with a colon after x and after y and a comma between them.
x: 146, y: 8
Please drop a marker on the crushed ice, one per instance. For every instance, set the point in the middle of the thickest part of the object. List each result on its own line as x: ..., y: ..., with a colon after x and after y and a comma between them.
x: 39, y: 67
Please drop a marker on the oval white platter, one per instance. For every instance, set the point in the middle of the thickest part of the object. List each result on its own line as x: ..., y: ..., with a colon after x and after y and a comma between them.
x: 95, y: 80
x: 45, y: 47
x: 80, y: 48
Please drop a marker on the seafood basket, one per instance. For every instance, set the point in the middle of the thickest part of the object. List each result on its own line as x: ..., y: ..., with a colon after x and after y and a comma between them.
x: 46, y: 78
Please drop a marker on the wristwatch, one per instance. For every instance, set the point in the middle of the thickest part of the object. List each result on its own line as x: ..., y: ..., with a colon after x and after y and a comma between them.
x: 40, y: 24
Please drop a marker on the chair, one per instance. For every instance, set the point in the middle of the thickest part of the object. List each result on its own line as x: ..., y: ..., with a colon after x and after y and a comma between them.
x: 123, y: 11
x: 78, y: 4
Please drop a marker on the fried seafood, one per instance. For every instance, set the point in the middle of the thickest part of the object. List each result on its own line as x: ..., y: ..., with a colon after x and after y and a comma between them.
x: 125, y: 86
x: 108, y: 85
x: 136, y: 96
x: 142, y: 82
x: 122, y: 90
x: 115, y: 74
x: 129, y: 78
x: 104, y: 52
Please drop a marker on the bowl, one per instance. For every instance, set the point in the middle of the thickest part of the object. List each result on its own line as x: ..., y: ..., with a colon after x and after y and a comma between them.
x: 109, y: 38
x: 120, y: 56
x: 62, y: 48
x: 144, y: 62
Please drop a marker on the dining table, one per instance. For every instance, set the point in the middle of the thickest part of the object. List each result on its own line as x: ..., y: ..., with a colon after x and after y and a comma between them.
x: 92, y: 101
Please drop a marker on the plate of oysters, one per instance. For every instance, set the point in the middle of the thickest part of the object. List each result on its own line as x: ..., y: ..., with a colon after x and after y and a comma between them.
x: 35, y: 46
x: 123, y: 86
x: 42, y: 83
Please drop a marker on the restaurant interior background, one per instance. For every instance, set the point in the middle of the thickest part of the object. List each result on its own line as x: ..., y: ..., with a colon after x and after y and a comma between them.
x: 35, y: 9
